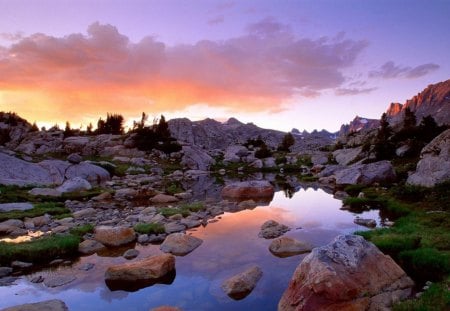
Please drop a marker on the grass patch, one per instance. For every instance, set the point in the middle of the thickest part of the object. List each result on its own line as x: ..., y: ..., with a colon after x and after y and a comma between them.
x: 436, y: 298
x: 14, y: 194
x: 174, y: 189
x: 52, y: 208
x: 39, y: 250
x: 426, y: 264
x: 149, y: 228
x: 82, y: 230
x: 193, y: 207
x: 185, y: 209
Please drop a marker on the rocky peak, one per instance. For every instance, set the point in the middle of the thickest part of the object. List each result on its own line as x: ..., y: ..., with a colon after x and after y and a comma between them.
x: 433, y: 100
x: 358, y: 124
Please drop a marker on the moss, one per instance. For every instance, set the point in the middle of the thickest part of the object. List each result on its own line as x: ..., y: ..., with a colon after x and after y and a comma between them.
x: 39, y: 209
x: 39, y: 250
x: 149, y: 228
x: 82, y: 230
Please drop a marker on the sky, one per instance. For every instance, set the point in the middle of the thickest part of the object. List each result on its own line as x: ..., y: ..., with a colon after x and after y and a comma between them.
x: 280, y: 64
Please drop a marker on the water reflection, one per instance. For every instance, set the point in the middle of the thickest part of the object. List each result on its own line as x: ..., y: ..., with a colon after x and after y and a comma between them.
x: 230, y: 246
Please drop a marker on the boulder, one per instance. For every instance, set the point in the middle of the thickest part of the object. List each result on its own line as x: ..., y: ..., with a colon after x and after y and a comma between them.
x: 270, y: 163
x: 48, y: 305
x: 272, y: 229
x: 14, y: 171
x: 180, y: 244
x: 148, y: 269
x: 248, y: 190
x: 347, y: 274
x: 434, y: 166
x: 75, y: 184
x: 58, y: 280
x: 94, y: 174
x: 131, y: 253
x: 74, y: 158
x: 196, y: 158
x: 233, y: 154
x: 75, y: 144
x: 285, y: 247
x: 366, y: 174
x: 114, y: 236
x: 242, y: 284
x: 345, y: 156
x: 163, y: 198
x: 88, y: 247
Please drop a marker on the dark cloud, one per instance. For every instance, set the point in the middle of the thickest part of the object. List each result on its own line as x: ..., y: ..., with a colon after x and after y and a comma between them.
x: 390, y: 70
x: 353, y: 91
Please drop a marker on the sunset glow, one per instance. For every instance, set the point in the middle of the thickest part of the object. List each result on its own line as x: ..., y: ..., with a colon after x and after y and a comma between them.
x: 259, y: 61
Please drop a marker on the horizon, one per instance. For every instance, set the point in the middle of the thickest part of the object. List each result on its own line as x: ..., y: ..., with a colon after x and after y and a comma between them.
x: 278, y: 65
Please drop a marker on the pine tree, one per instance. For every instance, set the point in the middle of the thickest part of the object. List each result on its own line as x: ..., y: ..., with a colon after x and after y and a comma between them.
x: 383, y: 147
x: 287, y: 142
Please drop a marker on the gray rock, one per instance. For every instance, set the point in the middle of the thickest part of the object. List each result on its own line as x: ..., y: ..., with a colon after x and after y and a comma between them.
x: 14, y: 171
x: 84, y: 213
x: 87, y: 266
x: 125, y: 193
x: 180, y: 244
x: 88, y: 247
x: 48, y: 305
x: 242, y: 284
x: 371, y: 223
x: 163, y: 198
x: 366, y: 174
x: 21, y: 265
x: 196, y: 158
x: 58, y: 280
x: 75, y: 184
x: 7, y: 207
x: 272, y: 229
x: 48, y: 192
x: 270, y: 163
x: 285, y: 247
x: 172, y: 227
x: 130, y: 254
x: 434, y: 166
x: 74, y: 158
x: 143, y: 239
x: 5, y: 271
x: 94, y: 174
x: 345, y: 156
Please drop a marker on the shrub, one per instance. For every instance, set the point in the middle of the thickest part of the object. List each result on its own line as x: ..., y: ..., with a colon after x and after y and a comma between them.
x: 263, y: 152
x: 149, y: 228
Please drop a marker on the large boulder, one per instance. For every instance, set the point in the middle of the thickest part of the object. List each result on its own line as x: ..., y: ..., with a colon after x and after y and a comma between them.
x: 234, y: 154
x: 148, y: 269
x: 14, y: 171
x: 434, y: 166
x: 366, y: 174
x: 7, y: 207
x: 114, y: 236
x: 96, y: 175
x: 180, y: 244
x: 347, y: 274
x: 242, y: 284
x: 345, y: 156
x: 48, y: 305
x: 196, y: 158
x: 248, y: 190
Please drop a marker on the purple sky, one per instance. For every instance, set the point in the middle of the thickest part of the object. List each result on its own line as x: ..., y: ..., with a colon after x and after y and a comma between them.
x: 279, y: 64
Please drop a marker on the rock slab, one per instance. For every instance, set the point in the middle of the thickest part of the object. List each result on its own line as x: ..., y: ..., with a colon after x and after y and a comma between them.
x: 242, y: 284
x: 347, y: 274
x: 48, y: 305
x: 180, y: 244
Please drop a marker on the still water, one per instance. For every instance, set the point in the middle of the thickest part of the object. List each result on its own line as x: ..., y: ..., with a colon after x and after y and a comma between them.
x: 230, y: 245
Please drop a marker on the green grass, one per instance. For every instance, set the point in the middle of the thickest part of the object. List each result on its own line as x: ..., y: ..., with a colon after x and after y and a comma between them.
x: 149, y: 228
x: 51, y: 208
x: 426, y: 264
x: 39, y: 250
x: 436, y: 298
x: 193, y: 207
x: 14, y: 194
x: 82, y: 230
x: 185, y: 209
x: 174, y: 188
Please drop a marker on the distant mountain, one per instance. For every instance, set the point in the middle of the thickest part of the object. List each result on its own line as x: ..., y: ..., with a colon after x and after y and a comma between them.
x: 434, y: 101
x: 358, y: 124
x: 212, y: 134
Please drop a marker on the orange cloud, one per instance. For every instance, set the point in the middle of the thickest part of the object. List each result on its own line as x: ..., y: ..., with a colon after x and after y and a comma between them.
x: 70, y: 77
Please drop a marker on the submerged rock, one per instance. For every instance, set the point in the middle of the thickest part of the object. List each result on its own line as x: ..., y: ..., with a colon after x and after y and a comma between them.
x: 180, y: 244
x: 272, y: 229
x: 48, y: 305
x: 58, y: 280
x: 131, y: 254
x: 242, y: 284
x: 285, y: 247
x: 347, y: 274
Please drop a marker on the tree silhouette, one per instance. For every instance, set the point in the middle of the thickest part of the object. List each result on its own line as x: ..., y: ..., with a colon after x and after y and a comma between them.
x: 383, y: 146
x: 287, y: 142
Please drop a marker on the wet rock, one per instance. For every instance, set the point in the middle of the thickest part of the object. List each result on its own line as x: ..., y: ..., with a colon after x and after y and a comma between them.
x: 131, y: 254
x: 75, y: 184
x: 37, y: 279
x: 248, y: 190
x: 285, y: 247
x: 242, y: 284
x: 163, y: 198
x: 371, y: 223
x: 5, y: 271
x: 347, y: 274
x: 58, y: 280
x: 88, y: 247
x: 7, y: 207
x: 7, y: 281
x: 151, y: 268
x: 180, y: 244
x: 21, y: 264
x: 247, y: 204
x: 48, y: 305
x: 272, y: 229
x: 114, y: 236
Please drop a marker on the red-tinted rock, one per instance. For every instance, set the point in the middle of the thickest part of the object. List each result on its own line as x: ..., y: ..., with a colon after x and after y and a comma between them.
x: 248, y: 190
